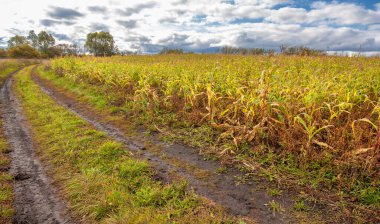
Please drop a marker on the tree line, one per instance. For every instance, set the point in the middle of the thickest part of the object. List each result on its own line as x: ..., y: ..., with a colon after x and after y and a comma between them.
x: 284, y: 49
x: 43, y: 45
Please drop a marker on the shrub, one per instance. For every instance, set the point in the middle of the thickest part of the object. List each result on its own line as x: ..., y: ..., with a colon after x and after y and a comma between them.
x: 3, y: 53
x: 301, y: 51
x: 23, y: 51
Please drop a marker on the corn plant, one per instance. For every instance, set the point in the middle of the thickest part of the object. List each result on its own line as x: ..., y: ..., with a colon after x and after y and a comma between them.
x: 261, y: 100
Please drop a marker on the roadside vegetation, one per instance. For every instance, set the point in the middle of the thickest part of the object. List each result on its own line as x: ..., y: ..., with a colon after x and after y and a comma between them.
x: 102, y: 181
x: 6, y: 189
x: 8, y: 66
x: 307, y: 123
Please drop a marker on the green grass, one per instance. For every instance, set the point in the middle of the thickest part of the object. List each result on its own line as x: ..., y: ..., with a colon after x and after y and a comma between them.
x: 274, y: 192
x: 98, y: 176
x: 275, y: 207
x: 300, y: 206
x: 6, y: 189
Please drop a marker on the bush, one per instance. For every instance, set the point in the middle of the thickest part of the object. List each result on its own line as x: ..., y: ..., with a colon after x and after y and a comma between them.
x: 3, y: 53
x: 23, y: 51
x: 301, y: 51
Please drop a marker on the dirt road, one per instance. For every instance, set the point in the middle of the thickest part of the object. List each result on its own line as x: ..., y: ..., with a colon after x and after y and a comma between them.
x: 36, y: 200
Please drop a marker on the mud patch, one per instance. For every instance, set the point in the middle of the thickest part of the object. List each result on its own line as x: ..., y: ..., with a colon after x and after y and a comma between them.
x: 36, y: 199
x: 241, y: 199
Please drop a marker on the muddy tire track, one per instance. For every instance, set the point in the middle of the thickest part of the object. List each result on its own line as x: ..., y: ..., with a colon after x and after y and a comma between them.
x: 36, y: 200
x: 244, y: 199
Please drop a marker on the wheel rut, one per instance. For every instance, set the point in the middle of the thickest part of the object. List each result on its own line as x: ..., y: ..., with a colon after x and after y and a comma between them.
x: 36, y: 200
x: 245, y: 199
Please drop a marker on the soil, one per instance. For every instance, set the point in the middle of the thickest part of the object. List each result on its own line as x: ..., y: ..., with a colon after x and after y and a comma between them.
x: 246, y: 199
x: 36, y: 199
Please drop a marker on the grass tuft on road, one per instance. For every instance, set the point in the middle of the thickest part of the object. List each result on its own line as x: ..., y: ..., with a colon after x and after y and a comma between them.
x: 101, y: 180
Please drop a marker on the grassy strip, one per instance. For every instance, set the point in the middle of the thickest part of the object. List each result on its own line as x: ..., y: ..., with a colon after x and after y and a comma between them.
x: 98, y: 176
x: 316, y: 178
x: 6, y: 189
x: 8, y: 67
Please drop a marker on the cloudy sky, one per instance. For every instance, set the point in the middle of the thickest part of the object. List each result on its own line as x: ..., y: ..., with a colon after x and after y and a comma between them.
x: 201, y: 25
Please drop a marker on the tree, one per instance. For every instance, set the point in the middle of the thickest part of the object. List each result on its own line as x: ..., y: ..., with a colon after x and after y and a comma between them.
x: 100, y: 43
x: 301, y: 50
x: 17, y: 41
x: 67, y: 49
x: 23, y: 51
x: 33, y: 39
x: 45, y: 41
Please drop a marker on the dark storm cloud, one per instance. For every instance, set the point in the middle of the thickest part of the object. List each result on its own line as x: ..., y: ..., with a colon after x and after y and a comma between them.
x: 64, y: 13
x: 99, y: 27
x: 51, y: 22
x: 130, y: 24
x: 97, y: 9
x: 136, y: 9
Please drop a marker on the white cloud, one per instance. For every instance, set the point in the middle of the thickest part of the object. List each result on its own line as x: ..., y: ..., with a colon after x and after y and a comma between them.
x: 288, y: 15
x: 200, y: 24
x: 343, y: 13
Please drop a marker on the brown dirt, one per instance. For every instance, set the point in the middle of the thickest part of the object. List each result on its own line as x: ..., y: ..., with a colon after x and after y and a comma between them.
x: 245, y: 199
x: 36, y: 200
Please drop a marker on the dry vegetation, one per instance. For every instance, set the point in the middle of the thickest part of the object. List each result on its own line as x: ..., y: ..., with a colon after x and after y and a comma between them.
x: 310, y: 120
x: 100, y: 178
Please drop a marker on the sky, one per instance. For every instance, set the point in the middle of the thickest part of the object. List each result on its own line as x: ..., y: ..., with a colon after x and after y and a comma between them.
x: 201, y: 25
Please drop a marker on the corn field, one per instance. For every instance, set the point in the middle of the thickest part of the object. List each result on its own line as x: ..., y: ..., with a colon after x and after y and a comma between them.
x: 324, y: 109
